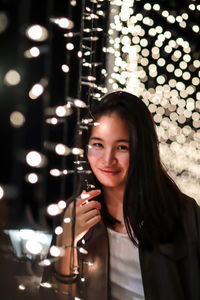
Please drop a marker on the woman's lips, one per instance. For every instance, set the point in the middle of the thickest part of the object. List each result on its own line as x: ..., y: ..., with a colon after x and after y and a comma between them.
x: 109, y: 172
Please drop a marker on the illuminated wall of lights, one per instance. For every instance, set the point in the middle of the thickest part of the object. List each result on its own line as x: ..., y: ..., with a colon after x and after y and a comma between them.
x: 156, y: 53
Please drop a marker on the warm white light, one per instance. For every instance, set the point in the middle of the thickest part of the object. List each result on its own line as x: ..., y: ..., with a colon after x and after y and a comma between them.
x: 55, y: 172
x: 45, y: 262
x: 62, y: 204
x: 46, y: 285
x: 56, y: 251
x: 17, y: 119
x: 60, y: 111
x: 36, y: 91
x: 32, y: 178
x: 34, y: 159
x: 12, y: 77
x: 21, y: 287
x: 67, y: 220
x: 83, y: 251
x: 77, y: 151
x: 61, y: 149
x: 37, y: 33
x: 70, y: 46
x: 63, y: 23
x: 33, y: 52
x: 33, y: 247
x: 58, y: 230
x: 1, y: 192
x: 79, y: 103
x: 65, y: 68
x: 53, y: 209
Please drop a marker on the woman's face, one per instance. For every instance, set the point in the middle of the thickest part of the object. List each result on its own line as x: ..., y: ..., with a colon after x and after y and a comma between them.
x: 108, y: 151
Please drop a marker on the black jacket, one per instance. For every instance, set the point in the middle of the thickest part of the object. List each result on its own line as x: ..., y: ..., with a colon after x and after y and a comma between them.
x: 169, y: 271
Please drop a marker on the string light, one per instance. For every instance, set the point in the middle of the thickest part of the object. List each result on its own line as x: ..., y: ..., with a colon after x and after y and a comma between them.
x: 37, y: 33
x: 12, y: 77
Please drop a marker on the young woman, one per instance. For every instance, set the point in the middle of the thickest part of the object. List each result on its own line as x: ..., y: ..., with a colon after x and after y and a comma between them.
x: 141, y: 233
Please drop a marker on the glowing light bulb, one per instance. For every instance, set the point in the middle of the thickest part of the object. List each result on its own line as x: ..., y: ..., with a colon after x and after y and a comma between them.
x: 63, y: 22
x: 70, y: 46
x: 53, y: 210
x: 65, y: 68
x: 62, y: 204
x: 36, y: 91
x: 67, y: 220
x: 34, y: 159
x: 77, y: 151
x: 83, y: 251
x: 32, y: 178
x: 33, y: 247
x: 60, y: 111
x: 17, y: 119
x: 1, y: 192
x: 62, y: 149
x: 79, y: 103
x: 21, y: 287
x: 37, y: 33
x: 56, y: 251
x: 58, y: 230
x: 46, y: 285
x: 12, y: 77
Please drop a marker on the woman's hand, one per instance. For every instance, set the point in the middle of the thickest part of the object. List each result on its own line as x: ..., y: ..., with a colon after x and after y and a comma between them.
x: 87, y: 215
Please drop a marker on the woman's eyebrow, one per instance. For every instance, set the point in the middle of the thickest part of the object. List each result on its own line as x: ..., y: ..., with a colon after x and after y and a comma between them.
x: 118, y: 141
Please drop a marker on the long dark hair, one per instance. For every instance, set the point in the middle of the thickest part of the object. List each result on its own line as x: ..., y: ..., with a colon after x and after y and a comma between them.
x: 151, y: 204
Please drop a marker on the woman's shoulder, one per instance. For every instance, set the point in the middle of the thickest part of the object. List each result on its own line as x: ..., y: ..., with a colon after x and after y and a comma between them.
x: 191, y: 213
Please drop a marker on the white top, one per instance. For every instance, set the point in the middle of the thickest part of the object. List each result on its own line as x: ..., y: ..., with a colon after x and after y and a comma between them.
x: 125, y: 272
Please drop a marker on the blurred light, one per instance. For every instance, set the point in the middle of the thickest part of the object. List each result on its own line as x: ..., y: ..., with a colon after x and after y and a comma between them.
x: 195, y: 28
x: 44, y: 263
x: 3, y: 21
x: 156, y: 7
x: 53, y: 209
x: 65, y: 68
x: 58, y: 230
x: 52, y: 121
x: 56, y: 251
x: 33, y: 52
x: 61, y: 149
x: 17, y: 119
x: 12, y: 77
x: 33, y: 247
x: 37, y: 33
x: 34, y: 159
x: 79, y: 103
x: 77, y: 151
x: 21, y: 287
x: 1, y: 192
x: 67, y: 220
x: 70, y: 46
x: 83, y: 251
x: 62, y: 204
x: 55, y: 172
x: 32, y: 178
x: 147, y: 6
x: 36, y: 91
x: 60, y: 111
x: 46, y: 285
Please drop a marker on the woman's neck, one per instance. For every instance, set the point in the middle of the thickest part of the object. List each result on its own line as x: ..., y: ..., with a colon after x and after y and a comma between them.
x: 114, y: 202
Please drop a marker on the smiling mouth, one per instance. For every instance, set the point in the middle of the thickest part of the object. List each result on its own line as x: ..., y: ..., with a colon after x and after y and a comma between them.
x: 109, y: 172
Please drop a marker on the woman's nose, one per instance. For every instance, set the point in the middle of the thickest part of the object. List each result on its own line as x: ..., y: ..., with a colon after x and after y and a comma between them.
x: 109, y: 156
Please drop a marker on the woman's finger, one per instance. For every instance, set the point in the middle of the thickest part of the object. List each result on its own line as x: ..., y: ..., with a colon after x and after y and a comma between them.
x: 91, y: 214
x: 85, y: 196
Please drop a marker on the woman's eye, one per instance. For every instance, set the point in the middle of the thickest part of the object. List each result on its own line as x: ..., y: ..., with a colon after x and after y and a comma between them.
x: 123, y: 147
x: 97, y: 145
